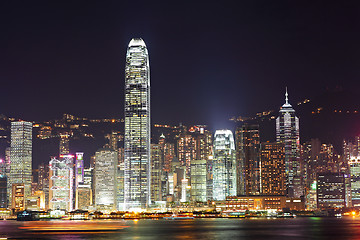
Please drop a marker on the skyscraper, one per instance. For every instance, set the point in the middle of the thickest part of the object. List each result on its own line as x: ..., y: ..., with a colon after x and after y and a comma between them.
x: 330, y: 190
x: 61, y: 174
x: 248, y: 159
x: 137, y: 126
x: 20, y: 157
x: 272, y: 169
x: 287, y: 132
x: 198, y: 181
x: 224, y: 165
x: 156, y: 172
x: 105, y: 179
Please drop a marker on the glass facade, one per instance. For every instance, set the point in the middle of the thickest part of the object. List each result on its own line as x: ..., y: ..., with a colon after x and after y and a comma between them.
x: 21, y: 156
x: 287, y: 132
x: 248, y: 159
x: 137, y: 126
x: 198, y: 181
x: 61, y: 183
x: 224, y: 165
x: 330, y: 190
x: 105, y: 179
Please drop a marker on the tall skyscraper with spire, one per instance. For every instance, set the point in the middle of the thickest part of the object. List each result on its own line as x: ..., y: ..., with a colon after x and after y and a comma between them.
x: 137, y: 126
x: 287, y: 132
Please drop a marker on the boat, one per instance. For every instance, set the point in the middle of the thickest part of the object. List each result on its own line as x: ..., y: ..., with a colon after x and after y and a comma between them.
x: 179, y: 217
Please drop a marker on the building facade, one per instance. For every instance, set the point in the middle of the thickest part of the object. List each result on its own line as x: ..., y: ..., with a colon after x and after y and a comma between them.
x: 248, y: 159
x: 137, y: 126
x: 156, y: 172
x: 198, y: 181
x: 61, y: 184
x: 105, y: 179
x: 330, y: 190
x: 224, y: 165
x: 287, y: 132
x: 20, y: 157
x: 272, y: 169
x: 354, y: 165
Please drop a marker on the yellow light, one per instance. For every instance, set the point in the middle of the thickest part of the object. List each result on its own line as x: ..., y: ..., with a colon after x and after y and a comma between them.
x: 353, y: 213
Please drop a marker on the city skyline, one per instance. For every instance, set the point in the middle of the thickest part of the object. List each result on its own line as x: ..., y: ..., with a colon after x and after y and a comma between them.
x: 252, y: 113
x: 54, y: 58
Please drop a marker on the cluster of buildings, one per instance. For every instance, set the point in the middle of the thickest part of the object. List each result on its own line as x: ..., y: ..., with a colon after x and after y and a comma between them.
x: 186, y: 167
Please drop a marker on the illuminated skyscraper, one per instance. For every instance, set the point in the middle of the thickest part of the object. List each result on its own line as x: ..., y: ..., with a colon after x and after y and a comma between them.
x: 137, y: 126
x: 224, y: 165
x: 186, y: 148
x: 330, y: 190
x: 156, y: 171
x: 272, y: 169
x: 287, y: 132
x: 61, y: 175
x: 105, y: 179
x: 21, y: 157
x: 79, y: 169
x: 248, y: 159
x: 198, y: 181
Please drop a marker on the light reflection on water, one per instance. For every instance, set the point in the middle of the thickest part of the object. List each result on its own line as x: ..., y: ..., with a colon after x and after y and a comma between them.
x: 253, y: 229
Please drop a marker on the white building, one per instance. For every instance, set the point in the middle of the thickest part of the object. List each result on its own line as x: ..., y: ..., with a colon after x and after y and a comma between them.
x: 287, y: 132
x: 137, y: 126
x: 224, y: 165
x: 61, y: 175
x: 105, y: 179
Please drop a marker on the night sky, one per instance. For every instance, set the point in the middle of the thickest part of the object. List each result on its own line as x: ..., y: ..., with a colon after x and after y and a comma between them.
x: 209, y: 60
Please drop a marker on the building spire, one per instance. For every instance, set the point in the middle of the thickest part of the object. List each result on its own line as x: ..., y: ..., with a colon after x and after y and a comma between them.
x: 286, y: 97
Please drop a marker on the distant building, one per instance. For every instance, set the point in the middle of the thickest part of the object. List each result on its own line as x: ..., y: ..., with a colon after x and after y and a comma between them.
x: 248, y: 159
x: 287, y: 132
x: 224, y: 165
x: 44, y: 132
x: 198, y: 181
x: 104, y: 177
x: 64, y: 148
x: 272, y: 169
x: 137, y: 126
x: 20, y: 157
x: 330, y: 190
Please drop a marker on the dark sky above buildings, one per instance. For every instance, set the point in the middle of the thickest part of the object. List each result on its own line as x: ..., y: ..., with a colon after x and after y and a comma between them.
x: 209, y: 60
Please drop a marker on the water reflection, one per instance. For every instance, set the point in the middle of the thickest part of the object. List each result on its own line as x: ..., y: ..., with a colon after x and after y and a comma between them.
x: 253, y: 229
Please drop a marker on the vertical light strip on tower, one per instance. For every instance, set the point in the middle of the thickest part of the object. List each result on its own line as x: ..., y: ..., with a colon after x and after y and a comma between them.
x: 137, y: 126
